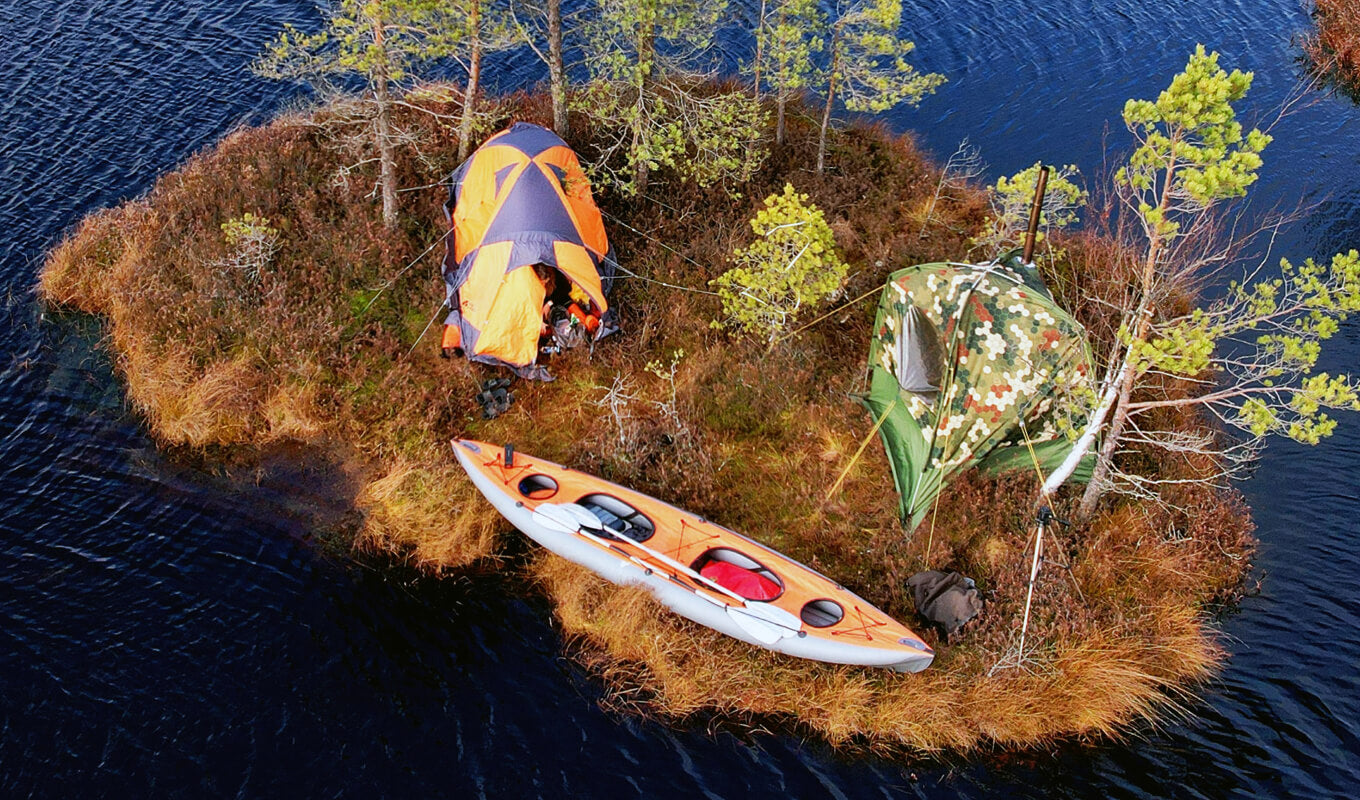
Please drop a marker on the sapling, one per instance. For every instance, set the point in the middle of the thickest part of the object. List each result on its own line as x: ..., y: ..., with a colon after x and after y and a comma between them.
x: 791, y: 264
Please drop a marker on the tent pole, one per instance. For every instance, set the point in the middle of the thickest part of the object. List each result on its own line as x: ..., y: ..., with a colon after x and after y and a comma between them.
x: 1033, y: 575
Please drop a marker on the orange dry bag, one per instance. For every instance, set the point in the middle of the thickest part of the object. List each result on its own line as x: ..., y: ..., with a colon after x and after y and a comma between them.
x: 590, y: 321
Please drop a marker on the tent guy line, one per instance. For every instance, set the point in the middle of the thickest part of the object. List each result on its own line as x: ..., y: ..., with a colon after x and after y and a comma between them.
x: 397, y: 277
x: 442, y: 305
x: 646, y: 235
x: 628, y: 273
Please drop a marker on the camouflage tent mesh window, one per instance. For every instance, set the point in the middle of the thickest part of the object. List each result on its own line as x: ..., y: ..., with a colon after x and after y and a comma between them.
x: 996, y: 349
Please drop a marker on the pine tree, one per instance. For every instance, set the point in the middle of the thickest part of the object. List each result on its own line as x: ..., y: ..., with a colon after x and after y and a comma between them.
x: 791, y: 264
x: 382, y: 41
x: 1252, y: 351
x: 543, y: 19
x: 646, y: 85
x: 480, y: 27
x: 790, y: 39
x: 868, y: 69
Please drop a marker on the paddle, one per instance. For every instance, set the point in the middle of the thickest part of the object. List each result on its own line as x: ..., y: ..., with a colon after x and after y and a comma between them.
x: 766, y: 623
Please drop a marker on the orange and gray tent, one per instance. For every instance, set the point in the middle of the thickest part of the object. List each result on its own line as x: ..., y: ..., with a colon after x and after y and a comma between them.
x: 519, y: 201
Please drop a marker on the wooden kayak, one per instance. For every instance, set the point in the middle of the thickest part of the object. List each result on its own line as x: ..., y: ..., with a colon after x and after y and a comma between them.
x: 695, y: 567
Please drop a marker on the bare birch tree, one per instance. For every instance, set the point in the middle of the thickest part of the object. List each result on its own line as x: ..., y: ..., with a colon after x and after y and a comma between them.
x: 962, y: 167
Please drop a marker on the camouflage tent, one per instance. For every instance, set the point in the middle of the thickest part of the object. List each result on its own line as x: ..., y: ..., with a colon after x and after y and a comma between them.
x: 964, y: 365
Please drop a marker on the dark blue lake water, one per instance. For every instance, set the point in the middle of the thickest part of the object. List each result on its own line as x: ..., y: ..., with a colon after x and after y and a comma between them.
x: 160, y: 635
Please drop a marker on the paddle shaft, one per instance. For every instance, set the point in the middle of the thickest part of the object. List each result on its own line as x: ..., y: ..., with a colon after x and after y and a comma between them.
x: 759, y: 626
x: 744, y: 605
x: 663, y: 558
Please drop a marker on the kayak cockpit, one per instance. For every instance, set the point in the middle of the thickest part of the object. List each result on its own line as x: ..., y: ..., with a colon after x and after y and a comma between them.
x: 538, y: 487
x: 739, y: 573
x: 618, y: 517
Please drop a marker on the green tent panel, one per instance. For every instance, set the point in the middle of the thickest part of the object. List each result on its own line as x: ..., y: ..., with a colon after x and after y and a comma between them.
x: 965, y: 364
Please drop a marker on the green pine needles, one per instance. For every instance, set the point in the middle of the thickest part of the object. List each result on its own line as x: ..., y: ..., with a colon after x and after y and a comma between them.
x: 1264, y: 338
x: 648, y: 85
x: 1190, y: 136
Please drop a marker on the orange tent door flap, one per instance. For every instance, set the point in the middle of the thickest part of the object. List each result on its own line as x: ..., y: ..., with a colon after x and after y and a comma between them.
x: 508, y: 328
x: 575, y: 262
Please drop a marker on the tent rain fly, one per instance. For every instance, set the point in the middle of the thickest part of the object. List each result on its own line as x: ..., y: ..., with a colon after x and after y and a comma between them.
x: 965, y: 364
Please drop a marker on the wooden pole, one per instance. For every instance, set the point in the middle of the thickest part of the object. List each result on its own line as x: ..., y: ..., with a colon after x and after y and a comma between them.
x: 1035, y: 209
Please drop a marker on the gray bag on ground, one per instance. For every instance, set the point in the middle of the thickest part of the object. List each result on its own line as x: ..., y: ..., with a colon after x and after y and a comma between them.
x: 946, y: 599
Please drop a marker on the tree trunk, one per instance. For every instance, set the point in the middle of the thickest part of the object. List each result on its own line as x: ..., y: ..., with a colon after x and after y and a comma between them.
x: 639, y: 163
x: 1123, y: 382
x: 474, y: 74
x: 826, y: 112
x: 557, y: 74
x: 646, y: 39
x: 781, y: 89
x: 1059, y: 476
x: 779, y: 118
x: 760, y: 50
x: 387, y: 160
x: 1101, y: 474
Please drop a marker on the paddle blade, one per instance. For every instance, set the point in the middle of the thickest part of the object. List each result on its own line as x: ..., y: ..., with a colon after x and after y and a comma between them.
x: 759, y: 629
x: 584, y: 516
x: 774, y: 615
x: 556, y: 518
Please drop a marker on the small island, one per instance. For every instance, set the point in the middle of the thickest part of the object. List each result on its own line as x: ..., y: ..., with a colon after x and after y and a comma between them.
x: 274, y: 298
x: 312, y: 333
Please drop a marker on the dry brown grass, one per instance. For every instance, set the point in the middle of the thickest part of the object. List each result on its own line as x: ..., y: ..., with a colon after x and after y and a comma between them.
x: 1334, y: 49
x: 756, y: 440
